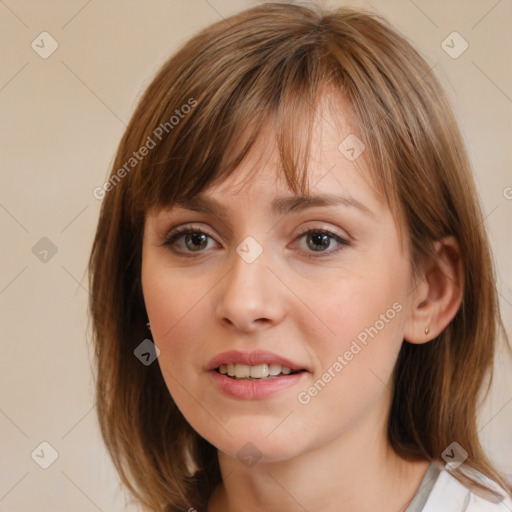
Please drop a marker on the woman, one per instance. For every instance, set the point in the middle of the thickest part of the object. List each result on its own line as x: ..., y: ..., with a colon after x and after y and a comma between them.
x: 292, y: 219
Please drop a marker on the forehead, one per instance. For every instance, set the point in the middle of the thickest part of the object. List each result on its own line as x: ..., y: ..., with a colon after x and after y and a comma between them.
x: 336, y: 163
x: 314, y: 149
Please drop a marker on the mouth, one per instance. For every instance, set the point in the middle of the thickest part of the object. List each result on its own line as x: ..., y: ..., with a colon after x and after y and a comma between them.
x: 259, y: 372
x: 254, y: 375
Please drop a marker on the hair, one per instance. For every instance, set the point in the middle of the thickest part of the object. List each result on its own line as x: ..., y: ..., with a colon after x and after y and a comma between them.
x: 273, y: 62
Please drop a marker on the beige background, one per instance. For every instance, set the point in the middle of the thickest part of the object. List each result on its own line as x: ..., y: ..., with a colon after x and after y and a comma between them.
x: 61, y: 120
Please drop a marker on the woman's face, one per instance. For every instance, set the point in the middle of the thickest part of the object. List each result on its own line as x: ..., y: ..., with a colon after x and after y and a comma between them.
x: 261, y: 287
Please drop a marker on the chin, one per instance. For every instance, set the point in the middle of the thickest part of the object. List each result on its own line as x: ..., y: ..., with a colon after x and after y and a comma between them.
x: 260, y: 443
x: 259, y: 450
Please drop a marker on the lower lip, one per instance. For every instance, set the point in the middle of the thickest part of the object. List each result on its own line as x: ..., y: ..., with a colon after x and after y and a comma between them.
x: 255, y: 389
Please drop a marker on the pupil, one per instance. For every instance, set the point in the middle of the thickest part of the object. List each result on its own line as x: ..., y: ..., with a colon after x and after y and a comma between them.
x: 197, y: 239
x: 320, y: 239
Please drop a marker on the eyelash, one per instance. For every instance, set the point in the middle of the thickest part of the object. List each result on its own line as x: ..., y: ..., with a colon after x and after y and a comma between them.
x: 179, y: 232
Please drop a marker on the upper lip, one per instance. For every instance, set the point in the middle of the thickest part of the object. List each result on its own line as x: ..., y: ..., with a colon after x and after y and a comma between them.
x: 252, y: 358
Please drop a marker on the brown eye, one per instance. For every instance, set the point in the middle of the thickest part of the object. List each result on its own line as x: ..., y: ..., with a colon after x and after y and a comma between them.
x: 320, y: 240
x: 192, y: 240
x: 196, y: 240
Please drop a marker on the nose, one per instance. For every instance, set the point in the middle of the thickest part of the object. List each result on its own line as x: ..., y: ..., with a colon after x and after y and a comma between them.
x: 251, y: 297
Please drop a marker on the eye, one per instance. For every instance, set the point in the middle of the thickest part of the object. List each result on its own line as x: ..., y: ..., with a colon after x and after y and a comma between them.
x: 319, y: 240
x: 195, y: 239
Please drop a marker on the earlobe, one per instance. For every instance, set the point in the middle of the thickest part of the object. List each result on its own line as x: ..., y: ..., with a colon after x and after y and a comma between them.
x: 439, y: 295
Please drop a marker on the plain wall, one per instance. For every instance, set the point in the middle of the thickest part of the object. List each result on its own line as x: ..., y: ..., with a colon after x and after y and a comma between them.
x: 61, y: 120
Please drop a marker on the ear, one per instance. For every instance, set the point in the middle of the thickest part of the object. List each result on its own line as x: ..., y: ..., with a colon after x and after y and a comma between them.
x: 437, y: 298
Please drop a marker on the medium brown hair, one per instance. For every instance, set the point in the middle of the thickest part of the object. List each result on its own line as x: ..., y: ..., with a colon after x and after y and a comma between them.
x: 272, y: 62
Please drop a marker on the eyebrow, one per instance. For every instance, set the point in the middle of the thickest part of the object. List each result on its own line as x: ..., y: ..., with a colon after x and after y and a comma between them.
x: 279, y: 206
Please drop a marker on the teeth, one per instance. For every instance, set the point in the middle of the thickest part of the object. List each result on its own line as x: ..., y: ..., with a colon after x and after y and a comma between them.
x: 242, y: 371
x: 275, y: 369
x: 260, y: 371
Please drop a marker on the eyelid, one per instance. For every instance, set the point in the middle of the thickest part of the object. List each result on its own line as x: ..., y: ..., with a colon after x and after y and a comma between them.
x: 314, y: 225
x: 217, y: 232
x: 184, y: 229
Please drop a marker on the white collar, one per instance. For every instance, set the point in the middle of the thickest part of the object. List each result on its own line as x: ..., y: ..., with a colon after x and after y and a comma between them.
x: 450, y: 495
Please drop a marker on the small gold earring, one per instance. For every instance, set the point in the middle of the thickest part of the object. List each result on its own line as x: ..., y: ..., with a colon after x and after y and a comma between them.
x: 427, y: 330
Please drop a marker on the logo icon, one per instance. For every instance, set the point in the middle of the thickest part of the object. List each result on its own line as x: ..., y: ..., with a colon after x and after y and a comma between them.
x: 351, y: 147
x: 147, y: 352
x: 44, y: 455
x: 44, y: 250
x: 249, y: 454
x: 44, y: 45
x: 454, y: 45
x: 249, y: 250
x: 454, y: 455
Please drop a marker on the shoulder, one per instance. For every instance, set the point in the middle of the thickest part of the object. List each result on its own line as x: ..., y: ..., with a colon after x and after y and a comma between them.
x: 451, y: 495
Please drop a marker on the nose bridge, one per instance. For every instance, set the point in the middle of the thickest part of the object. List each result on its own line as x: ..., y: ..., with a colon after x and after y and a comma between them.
x: 248, y: 276
x: 250, y: 293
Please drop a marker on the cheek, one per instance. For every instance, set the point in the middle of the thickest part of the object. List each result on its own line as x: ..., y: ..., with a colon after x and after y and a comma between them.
x: 176, y: 304
x: 367, y: 322
x: 356, y: 363
x: 364, y: 305
x: 365, y: 315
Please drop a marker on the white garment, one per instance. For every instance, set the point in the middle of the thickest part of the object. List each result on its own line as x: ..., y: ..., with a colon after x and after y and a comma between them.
x: 450, y: 495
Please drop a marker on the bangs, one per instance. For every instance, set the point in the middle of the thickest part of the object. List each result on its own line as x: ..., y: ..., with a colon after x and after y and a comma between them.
x: 232, y: 111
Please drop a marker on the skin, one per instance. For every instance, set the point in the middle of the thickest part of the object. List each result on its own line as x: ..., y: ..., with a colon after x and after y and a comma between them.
x: 332, y: 453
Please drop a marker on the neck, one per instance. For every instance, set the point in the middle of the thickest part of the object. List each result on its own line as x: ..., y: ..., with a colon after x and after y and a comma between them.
x: 357, y: 472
